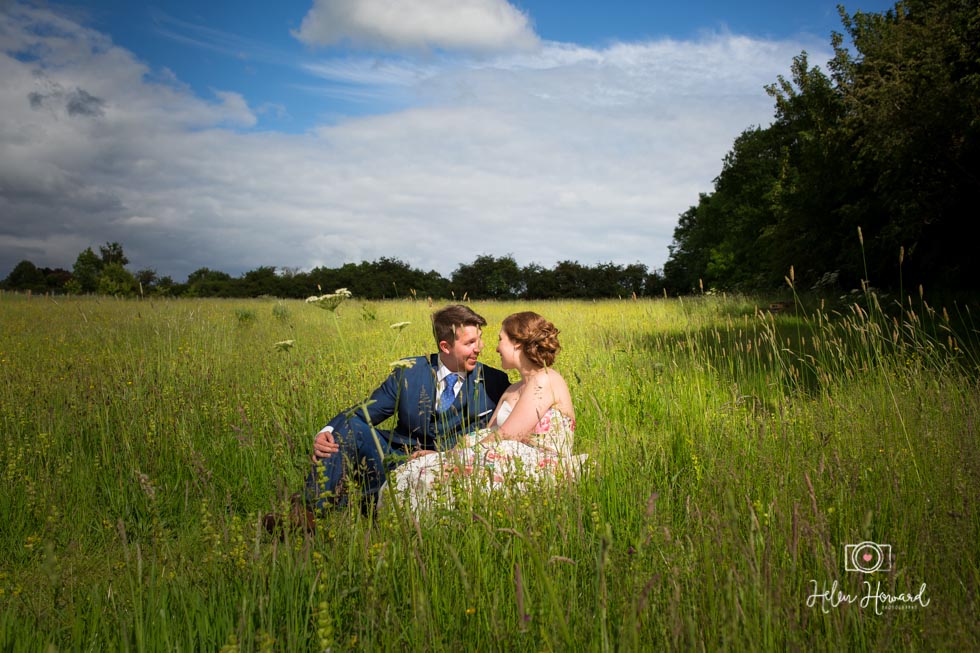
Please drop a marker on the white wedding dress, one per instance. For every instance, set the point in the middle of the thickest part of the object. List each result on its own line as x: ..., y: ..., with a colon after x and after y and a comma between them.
x: 436, y: 479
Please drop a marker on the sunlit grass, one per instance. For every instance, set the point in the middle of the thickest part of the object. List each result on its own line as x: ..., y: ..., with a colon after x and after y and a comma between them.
x: 735, y: 452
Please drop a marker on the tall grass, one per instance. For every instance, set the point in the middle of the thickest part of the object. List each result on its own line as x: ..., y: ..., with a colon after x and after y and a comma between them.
x: 734, y: 455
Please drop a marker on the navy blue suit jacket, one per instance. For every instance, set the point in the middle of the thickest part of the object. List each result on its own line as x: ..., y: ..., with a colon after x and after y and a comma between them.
x: 410, y: 393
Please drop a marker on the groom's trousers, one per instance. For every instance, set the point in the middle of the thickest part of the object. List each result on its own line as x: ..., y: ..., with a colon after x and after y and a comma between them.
x: 365, y: 455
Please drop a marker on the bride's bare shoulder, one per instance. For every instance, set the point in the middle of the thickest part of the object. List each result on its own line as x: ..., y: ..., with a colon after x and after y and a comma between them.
x: 555, y: 379
x: 561, y: 396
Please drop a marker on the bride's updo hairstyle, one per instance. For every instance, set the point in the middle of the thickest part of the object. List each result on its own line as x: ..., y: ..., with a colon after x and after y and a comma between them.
x: 537, y: 337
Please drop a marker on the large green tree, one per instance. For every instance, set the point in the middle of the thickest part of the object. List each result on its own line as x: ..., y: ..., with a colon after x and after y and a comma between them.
x: 86, y: 271
x: 260, y: 281
x: 205, y: 282
x: 117, y: 280
x: 488, y: 277
x: 113, y: 253
x: 817, y: 190
x: 26, y: 276
x: 888, y: 143
x: 912, y: 92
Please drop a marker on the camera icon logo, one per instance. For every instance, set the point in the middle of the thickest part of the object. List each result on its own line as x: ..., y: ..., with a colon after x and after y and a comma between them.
x: 867, y: 557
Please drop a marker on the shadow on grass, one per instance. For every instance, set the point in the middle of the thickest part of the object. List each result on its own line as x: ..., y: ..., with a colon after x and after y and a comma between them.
x: 796, y: 348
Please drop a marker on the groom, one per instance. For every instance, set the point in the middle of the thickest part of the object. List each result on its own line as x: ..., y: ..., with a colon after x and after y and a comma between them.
x: 436, y: 399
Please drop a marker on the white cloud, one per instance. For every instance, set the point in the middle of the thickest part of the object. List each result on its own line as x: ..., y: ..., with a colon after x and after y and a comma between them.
x: 234, y: 106
x: 568, y: 153
x: 375, y: 72
x: 468, y: 25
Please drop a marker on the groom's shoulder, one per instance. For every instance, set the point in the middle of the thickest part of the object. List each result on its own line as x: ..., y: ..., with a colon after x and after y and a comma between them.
x: 421, y: 363
x: 495, y: 382
x: 411, y: 366
x: 493, y: 374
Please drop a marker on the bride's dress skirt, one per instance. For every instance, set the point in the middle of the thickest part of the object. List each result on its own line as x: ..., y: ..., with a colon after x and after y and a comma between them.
x: 500, y: 466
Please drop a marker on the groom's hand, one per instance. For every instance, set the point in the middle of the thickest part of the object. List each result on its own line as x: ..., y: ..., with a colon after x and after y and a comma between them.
x: 324, y: 445
x: 420, y: 453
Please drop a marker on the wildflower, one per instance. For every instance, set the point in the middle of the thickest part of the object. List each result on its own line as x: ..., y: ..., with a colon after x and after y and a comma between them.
x: 470, y: 610
x: 284, y: 345
x: 146, y: 484
x: 404, y: 363
x: 331, y: 301
x: 399, y: 325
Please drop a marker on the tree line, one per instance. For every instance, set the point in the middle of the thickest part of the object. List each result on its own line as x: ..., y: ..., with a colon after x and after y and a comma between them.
x: 869, y: 172
x: 487, y: 277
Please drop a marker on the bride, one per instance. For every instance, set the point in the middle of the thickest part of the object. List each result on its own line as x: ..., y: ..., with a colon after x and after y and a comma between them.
x: 530, y: 434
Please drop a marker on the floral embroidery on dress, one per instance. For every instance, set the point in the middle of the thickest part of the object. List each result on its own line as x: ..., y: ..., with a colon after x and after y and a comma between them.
x: 544, y: 424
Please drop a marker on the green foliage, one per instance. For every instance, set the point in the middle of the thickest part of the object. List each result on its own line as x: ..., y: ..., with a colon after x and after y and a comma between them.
x: 204, y: 282
x: 913, y: 99
x: 245, y: 316
x: 488, y: 277
x: 889, y: 143
x: 103, y: 274
x: 385, y: 278
x: 112, y: 253
x: 146, y: 280
x: 260, y: 281
x: 25, y: 276
x: 280, y: 312
x: 86, y: 271
x: 117, y: 280
x: 165, y: 287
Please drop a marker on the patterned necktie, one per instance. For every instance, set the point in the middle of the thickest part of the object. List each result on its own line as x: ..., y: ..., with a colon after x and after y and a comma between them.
x: 448, y: 395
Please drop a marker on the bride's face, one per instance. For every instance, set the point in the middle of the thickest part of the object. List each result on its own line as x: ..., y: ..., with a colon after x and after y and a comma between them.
x: 509, y: 352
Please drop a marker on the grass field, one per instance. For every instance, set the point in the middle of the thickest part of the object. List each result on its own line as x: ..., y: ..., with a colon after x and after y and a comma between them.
x: 737, y: 458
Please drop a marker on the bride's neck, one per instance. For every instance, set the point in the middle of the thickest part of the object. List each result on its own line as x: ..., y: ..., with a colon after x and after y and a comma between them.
x: 528, y: 373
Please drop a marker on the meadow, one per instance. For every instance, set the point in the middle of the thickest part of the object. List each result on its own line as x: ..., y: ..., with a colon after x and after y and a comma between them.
x: 736, y: 459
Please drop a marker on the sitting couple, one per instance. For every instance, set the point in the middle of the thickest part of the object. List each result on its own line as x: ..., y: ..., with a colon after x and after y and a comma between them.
x: 445, y: 404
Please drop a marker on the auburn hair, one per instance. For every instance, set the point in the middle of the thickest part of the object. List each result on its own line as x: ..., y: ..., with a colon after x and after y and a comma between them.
x: 537, y: 337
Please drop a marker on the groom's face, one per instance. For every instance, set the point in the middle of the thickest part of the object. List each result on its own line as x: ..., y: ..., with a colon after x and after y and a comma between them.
x: 464, y: 353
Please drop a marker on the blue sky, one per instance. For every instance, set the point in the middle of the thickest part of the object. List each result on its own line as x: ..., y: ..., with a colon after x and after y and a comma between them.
x: 319, y: 132
x: 252, y: 47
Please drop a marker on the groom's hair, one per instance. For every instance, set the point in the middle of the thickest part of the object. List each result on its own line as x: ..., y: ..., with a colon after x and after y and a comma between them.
x: 445, y: 322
